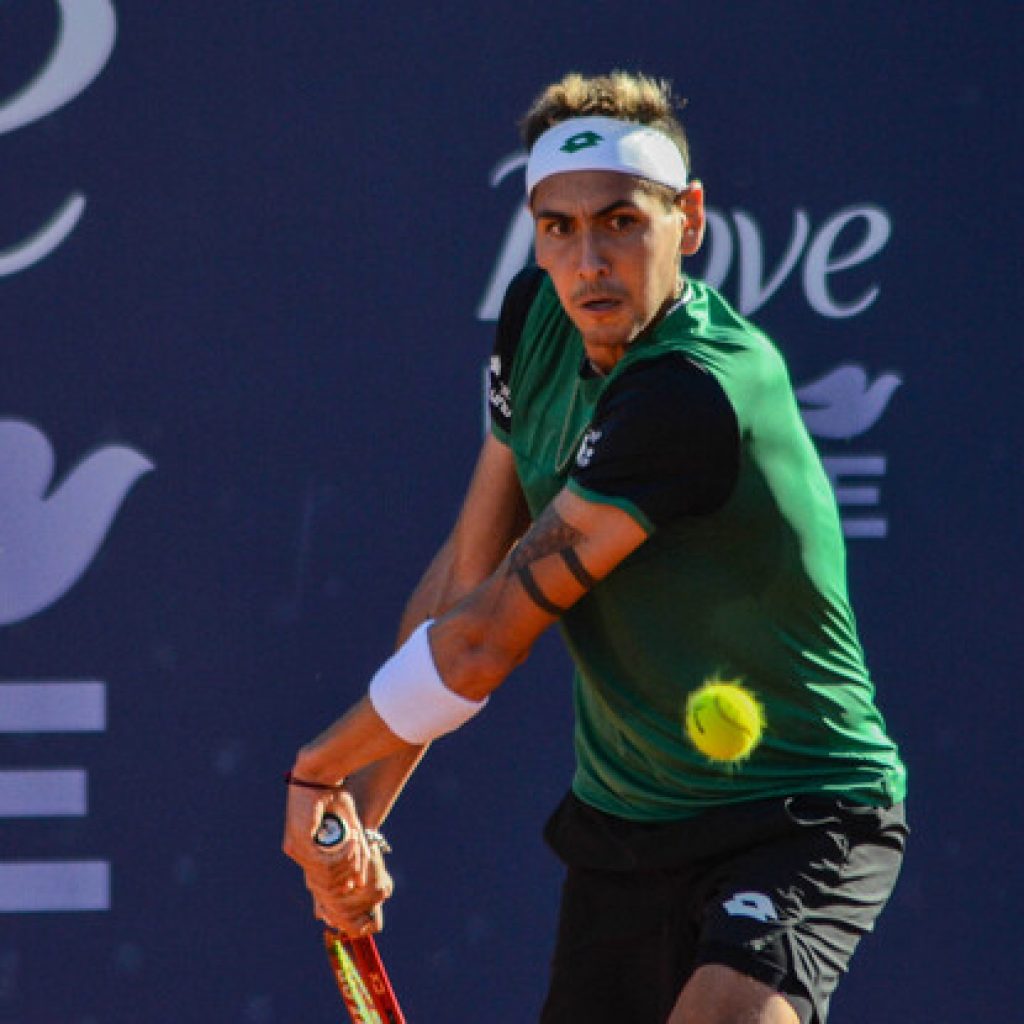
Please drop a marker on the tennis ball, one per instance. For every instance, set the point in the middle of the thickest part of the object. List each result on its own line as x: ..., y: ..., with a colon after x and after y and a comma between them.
x: 724, y: 720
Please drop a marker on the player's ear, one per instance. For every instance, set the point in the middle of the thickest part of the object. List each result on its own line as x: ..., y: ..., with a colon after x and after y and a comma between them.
x: 691, y: 204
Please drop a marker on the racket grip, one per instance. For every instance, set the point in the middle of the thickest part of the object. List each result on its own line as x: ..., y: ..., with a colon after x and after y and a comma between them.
x: 331, y: 832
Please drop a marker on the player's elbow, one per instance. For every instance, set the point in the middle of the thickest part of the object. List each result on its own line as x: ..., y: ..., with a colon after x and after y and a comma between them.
x: 473, y: 663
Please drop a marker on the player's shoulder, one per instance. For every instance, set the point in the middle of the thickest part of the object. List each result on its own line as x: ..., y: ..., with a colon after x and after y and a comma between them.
x: 664, y: 396
x: 670, y: 377
x: 718, y: 322
x: 665, y: 437
x: 524, y: 283
x: 515, y: 308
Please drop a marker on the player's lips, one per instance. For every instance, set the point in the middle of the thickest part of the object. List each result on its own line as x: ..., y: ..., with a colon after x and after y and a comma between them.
x: 599, y: 303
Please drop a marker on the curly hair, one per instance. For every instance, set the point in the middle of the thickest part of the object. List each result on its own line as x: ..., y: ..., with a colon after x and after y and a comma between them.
x: 620, y: 94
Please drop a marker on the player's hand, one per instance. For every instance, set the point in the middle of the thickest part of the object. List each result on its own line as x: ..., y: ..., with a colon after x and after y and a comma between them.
x: 357, y: 910
x: 327, y: 870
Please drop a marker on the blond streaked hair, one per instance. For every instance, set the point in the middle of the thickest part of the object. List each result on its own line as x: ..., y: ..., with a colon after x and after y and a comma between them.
x: 620, y: 94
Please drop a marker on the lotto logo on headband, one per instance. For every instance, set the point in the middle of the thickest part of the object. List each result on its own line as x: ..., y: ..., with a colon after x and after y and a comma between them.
x: 581, y: 140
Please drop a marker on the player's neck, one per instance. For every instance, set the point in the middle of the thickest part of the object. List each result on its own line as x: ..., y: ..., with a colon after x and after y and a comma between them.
x: 603, y: 358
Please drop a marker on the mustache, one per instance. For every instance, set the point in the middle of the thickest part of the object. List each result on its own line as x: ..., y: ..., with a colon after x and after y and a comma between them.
x: 590, y: 290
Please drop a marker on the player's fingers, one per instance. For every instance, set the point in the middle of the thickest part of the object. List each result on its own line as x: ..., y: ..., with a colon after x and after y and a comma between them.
x: 380, y: 877
x: 325, y: 908
x: 352, y: 924
x: 347, y: 897
x: 348, y: 908
x: 358, y: 901
x: 368, y: 923
x: 347, y: 862
x: 337, y: 868
x: 374, y: 920
x: 330, y: 877
x: 338, y: 922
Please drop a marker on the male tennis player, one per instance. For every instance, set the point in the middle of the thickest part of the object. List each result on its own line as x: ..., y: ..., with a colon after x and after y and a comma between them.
x: 649, y: 485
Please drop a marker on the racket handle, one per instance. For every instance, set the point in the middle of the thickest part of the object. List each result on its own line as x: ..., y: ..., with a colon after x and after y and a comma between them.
x: 331, y: 832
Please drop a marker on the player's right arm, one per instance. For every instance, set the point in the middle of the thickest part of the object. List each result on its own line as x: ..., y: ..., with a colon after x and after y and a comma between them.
x: 493, y: 516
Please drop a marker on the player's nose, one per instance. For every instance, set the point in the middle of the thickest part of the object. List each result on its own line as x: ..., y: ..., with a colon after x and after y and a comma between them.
x: 591, y: 260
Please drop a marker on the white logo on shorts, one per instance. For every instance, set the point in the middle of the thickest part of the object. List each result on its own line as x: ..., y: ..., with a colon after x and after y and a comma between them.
x: 751, y: 904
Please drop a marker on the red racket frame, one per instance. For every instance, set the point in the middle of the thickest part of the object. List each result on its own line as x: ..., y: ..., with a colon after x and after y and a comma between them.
x: 366, y: 958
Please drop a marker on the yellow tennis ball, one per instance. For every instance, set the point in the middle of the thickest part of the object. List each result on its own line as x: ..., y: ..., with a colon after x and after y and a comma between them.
x: 724, y: 720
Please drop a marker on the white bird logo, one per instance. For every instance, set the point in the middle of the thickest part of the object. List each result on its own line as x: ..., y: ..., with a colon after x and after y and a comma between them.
x: 842, y: 404
x: 48, y: 538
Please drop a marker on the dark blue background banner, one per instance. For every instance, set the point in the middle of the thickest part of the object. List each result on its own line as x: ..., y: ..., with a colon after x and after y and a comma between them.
x: 249, y: 256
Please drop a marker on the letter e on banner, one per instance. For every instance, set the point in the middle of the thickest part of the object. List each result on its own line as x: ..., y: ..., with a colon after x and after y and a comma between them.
x: 820, y: 261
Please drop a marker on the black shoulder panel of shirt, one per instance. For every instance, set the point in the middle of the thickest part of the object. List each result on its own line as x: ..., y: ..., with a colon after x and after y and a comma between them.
x: 665, y: 437
x: 515, y: 308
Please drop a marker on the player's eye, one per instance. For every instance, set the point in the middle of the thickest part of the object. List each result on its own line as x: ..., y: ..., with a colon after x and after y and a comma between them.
x: 556, y: 227
x: 622, y: 221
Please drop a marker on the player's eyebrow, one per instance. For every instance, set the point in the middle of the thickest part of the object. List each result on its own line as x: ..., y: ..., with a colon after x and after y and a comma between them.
x: 603, y: 212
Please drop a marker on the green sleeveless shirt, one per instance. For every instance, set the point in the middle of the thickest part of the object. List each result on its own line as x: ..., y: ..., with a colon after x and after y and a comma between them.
x: 755, y: 591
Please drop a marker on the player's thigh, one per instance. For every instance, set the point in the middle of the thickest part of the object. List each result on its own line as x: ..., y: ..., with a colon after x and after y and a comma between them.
x: 790, y: 912
x: 616, y: 951
x: 721, y: 995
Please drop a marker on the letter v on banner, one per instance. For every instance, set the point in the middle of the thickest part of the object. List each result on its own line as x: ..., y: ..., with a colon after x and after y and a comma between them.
x: 753, y: 294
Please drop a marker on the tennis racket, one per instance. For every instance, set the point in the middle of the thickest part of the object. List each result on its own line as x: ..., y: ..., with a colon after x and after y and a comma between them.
x: 356, y: 963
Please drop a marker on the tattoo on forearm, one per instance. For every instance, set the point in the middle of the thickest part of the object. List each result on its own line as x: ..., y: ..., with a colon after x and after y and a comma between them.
x: 550, y: 535
x: 535, y: 594
x: 577, y: 568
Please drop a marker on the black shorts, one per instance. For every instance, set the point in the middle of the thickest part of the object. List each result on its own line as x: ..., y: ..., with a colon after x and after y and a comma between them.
x: 781, y: 890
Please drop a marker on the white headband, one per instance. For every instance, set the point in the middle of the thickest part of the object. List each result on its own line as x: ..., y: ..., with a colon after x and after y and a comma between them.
x: 606, y: 144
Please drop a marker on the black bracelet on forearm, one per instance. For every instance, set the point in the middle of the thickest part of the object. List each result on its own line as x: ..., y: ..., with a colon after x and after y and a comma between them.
x: 327, y: 787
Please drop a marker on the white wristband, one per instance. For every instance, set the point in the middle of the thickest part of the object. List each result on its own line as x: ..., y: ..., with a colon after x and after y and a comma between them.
x: 411, y: 697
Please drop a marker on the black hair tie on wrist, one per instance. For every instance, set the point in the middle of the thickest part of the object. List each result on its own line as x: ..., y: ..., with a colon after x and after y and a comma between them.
x: 327, y: 787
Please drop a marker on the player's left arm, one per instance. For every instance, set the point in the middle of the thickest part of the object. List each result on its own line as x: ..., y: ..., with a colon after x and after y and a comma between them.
x: 473, y: 647
x: 571, y: 547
